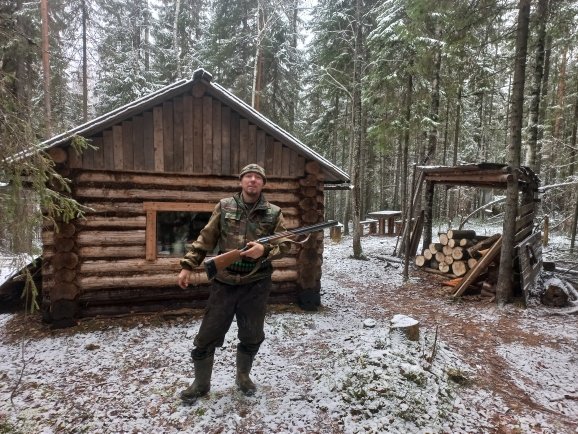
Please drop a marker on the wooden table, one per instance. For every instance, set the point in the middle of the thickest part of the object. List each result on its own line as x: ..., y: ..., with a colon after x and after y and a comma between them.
x: 382, y: 216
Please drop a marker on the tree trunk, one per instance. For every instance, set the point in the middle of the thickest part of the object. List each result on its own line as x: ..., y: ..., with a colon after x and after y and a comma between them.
x: 430, y: 156
x: 147, y: 41
x: 428, y: 215
x: 259, y: 60
x: 504, y: 287
x: 179, y: 71
x: 536, y: 91
x: 357, y: 133
x: 574, y: 223
x: 571, y: 167
x: 46, y: 68
x: 405, y: 161
x: 543, y: 100
x: 84, y: 64
x: 458, y: 125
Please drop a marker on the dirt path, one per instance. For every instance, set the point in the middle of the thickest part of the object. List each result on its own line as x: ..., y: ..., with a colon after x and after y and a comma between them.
x: 475, y: 328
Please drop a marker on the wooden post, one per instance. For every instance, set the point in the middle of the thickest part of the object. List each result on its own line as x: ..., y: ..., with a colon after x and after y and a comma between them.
x: 546, y: 233
x: 428, y: 214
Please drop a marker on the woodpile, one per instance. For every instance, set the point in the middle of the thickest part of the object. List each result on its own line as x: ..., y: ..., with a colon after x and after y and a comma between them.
x: 456, y: 252
x: 464, y: 256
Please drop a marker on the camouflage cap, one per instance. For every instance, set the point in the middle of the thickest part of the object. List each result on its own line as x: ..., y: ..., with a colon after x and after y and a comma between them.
x: 254, y: 168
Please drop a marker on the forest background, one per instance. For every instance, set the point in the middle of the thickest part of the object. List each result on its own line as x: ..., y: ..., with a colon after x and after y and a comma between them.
x: 375, y: 86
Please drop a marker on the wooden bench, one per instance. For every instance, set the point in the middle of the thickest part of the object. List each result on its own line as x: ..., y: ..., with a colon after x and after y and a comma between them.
x: 370, y: 223
x: 335, y: 232
x: 399, y: 226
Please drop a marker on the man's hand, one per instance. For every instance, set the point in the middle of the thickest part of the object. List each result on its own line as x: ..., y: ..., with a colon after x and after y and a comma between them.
x: 255, y: 250
x: 184, y: 278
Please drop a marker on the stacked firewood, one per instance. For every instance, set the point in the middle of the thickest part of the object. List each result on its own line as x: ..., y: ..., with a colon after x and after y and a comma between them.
x: 456, y: 252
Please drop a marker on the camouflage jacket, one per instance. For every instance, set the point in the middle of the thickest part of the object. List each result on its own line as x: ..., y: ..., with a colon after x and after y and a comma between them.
x: 231, y: 226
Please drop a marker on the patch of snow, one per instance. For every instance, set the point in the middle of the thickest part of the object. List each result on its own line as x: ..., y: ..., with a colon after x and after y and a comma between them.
x: 325, y: 372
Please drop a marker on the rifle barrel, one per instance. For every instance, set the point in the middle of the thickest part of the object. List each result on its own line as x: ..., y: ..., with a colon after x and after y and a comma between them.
x: 299, y: 231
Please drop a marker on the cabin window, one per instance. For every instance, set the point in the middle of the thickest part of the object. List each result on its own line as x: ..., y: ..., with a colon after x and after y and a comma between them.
x: 175, y: 229
x: 171, y: 226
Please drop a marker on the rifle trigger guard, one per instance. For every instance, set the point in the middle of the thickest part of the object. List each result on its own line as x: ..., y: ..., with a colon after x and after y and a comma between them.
x: 302, y: 241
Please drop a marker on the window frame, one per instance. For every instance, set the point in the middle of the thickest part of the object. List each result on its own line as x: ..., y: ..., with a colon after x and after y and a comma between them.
x: 151, y: 209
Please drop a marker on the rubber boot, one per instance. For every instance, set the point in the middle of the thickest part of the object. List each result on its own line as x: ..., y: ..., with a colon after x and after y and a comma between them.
x: 244, y: 364
x: 202, y: 383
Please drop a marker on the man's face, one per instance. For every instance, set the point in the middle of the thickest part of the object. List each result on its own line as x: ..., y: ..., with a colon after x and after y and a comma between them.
x: 252, y: 184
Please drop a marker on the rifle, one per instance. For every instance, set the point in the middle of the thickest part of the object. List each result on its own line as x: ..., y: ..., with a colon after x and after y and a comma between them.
x: 220, y: 262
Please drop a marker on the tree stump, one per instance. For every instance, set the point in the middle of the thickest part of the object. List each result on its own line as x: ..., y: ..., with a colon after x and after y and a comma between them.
x: 407, y: 326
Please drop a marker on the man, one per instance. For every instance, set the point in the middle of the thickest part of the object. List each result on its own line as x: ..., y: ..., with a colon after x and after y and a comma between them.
x: 243, y: 288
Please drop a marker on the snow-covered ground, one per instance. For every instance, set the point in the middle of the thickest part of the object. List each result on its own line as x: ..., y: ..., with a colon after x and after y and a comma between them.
x: 342, y: 369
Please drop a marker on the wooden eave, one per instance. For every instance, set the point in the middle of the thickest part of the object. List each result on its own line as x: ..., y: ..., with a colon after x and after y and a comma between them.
x: 333, y: 174
x: 488, y: 175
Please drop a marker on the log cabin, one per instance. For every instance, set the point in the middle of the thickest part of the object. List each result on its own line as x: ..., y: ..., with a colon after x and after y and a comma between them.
x: 156, y: 170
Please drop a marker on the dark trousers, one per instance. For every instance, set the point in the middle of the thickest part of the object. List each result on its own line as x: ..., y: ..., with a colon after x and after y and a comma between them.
x: 248, y: 302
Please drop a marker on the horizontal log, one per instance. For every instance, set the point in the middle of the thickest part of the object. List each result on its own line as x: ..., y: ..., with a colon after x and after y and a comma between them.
x: 64, y: 245
x: 483, y: 244
x: 460, y: 253
x: 472, y: 262
x: 443, y: 267
x: 112, y: 252
x: 64, y: 260
x: 443, y: 239
x: 313, y: 167
x: 420, y: 260
x: 111, y: 238
x: 309, y: 181
x: 436, y: 247
x: 151, y: 267
x: 437, y: 271
x: 481, y: 266
x: 459, y: 268
x: 447, y: 250
x: 465, y: 242
x: 449, y: 260
x: 137, y: 208
x: 213, y: 182
x: 89, y: 283
x: 93, y: 221
x: 169, y: 195
x: 428, y: 254
x: 457, y: 234
x: 468, y: 179
x: 440, y: 257
x: 108, y: 207
x: 58, y: 154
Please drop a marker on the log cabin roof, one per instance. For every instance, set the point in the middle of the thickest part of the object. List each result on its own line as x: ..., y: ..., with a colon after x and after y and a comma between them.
x: 333, y: 174
x: 491, y: 175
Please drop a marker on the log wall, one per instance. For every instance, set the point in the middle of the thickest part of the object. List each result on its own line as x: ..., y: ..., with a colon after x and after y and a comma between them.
x: 97, y: 265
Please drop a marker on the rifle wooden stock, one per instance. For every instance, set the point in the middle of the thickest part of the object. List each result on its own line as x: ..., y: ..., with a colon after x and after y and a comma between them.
x: 220, y: 262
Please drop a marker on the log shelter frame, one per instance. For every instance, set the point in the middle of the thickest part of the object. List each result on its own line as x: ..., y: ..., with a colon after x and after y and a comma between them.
x: 482, y: 175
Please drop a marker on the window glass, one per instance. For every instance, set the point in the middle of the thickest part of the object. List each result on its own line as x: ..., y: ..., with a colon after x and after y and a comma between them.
x: 177, y: 229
